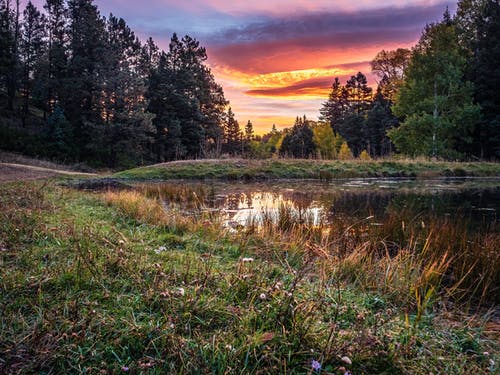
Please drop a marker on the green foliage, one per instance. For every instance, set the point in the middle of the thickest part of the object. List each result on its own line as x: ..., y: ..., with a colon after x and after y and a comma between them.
x: 435, y: 100
x: 359, y: 118
x: 298, y: 142
x: 59, y: 134
x: 233, y: 137
x: 268, y: 146
x: 187, y: 103
x: 379, y: 121
x: 327, y: 144
x: 484, y: 72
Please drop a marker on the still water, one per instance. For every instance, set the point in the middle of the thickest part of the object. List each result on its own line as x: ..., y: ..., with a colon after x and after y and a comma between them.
x: 475, y: 200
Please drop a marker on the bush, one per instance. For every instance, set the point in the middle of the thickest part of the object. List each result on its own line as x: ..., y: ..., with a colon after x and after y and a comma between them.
x: 345, y: 152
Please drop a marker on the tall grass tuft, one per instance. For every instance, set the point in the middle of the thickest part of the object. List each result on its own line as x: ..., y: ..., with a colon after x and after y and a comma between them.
x: 412, y: 259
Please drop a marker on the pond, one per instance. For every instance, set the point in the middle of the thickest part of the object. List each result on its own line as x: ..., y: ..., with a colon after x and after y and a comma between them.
x: 475, y: 201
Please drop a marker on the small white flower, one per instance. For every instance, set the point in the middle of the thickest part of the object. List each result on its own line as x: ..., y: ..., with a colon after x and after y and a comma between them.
x: 172, y: 325
x: 247, y: 260
x: 160, y: 249
x: 181, y: 291
x: 262, y: 296
x: 346, y: 360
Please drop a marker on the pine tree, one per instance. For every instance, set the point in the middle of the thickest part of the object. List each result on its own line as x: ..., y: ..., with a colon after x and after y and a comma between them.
x: 84, y: 79
x: 346, y: 109
x: 150, y: 57
x: 192, y: 97
x: 58, y: 135
x: 6, y: 45
x: 127, y: 126
x: 352, y: 129
x: 9, y: 43
x: 379, y: 121
x: 335, y: 109
x: 485, y: 74
x: 56, y: 64
x: 359, y: 94
x: 32, y: 48
x: 165, y: 102
x: 249, y: 131
x: 232, y: 134
x: 298, y: 142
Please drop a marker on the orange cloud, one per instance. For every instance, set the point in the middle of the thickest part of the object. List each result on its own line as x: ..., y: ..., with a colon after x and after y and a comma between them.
x: 284, y: 94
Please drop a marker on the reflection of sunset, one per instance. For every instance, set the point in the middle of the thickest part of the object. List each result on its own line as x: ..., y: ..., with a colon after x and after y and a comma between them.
x: 254, y: 207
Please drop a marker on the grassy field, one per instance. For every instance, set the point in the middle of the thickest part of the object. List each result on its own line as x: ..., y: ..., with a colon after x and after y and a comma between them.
x: 243, y: 169
x: 104, y: 283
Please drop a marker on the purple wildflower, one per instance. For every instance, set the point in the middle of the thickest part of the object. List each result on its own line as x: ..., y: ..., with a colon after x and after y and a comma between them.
x: 315, y: 365
x: 125, y: 369
x: 347, y: 373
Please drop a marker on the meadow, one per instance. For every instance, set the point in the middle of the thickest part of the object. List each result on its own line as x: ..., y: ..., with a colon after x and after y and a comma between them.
x: 251, y: 169
x: 112, y: 282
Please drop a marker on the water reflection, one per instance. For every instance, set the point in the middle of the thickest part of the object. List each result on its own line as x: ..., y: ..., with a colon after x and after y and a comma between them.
x: 477, y: 201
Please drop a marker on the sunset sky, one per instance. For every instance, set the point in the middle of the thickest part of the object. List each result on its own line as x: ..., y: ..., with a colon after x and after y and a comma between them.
x: 276, y: 59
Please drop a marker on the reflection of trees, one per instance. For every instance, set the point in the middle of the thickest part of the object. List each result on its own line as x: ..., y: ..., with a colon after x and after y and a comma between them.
x: 248, y: 200
x: 211, y: 197
x: 300, y: 200
x: 233, y: 201
x: 458, y: 205
x: 360, y: 204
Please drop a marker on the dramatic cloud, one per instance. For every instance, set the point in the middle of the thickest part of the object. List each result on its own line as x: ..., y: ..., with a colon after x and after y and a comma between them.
x: 314, y: 87
x: 304, y: 41
x: 331, y: 23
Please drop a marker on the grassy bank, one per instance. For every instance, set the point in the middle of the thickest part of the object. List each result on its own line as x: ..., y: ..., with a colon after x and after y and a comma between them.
x: 236, y: 169
x: 111, y: 282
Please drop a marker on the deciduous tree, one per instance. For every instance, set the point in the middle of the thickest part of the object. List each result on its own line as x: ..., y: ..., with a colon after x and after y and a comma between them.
x: 435, y: 100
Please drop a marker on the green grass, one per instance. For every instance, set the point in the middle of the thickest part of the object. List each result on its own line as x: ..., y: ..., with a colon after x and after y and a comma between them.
x: 82, y: 290
x: 236, y: 169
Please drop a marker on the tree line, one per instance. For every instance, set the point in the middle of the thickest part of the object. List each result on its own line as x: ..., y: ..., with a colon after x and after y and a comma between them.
x: 80, y: 87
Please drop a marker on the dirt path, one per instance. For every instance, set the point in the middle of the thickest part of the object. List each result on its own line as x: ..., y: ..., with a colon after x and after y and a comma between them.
x: 16, y: 172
